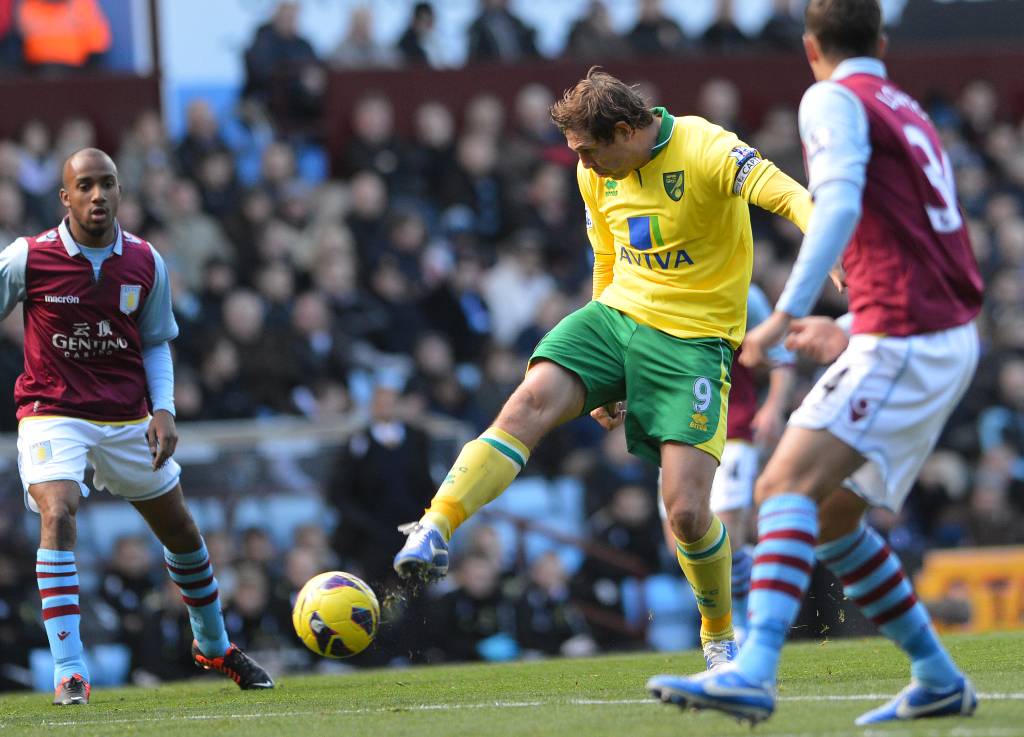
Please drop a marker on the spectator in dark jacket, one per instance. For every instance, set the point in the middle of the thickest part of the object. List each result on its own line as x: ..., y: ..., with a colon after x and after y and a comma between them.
x: 282, y: 69
x: 654, y: 32
x: 415, y: 43
x: 382, y: 480
x: 497, y: 35
x: 593, y: 38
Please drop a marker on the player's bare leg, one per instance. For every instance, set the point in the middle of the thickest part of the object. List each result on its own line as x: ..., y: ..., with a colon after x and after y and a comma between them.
x: 806, y: 466
x: 873, y: 578
x: 548, y: 396
x: 57, y: 576
x: 809, y: 466
x: 189, y: 566
x: 701, y: 544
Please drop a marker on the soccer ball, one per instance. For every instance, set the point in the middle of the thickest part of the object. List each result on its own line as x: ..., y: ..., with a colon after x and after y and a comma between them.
x: 336, y: 614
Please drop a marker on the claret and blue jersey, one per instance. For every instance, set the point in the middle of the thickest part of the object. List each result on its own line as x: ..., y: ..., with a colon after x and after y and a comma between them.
x: 86, y: 326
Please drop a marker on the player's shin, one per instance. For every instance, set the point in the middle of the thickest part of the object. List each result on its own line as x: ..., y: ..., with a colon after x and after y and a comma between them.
x: 193, y: 573
x: 783, y: 562
x: 707, y: 565
x: 57, y: 577
x: 873, y: 578
x: 484, y: 469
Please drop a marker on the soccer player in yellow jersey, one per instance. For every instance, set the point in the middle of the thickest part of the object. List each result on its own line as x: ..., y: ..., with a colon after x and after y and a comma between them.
x: 667, y: 216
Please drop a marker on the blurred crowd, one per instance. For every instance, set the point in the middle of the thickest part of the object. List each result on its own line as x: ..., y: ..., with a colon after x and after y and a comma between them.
x: 62, y: 36
x: 413, y: 282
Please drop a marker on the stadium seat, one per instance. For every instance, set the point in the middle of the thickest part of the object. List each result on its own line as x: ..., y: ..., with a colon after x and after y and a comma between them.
x: 279, y: 515
x: 666, y: 602
x: 102, y: 522
x: 109, y: 665
x: 556, y: 505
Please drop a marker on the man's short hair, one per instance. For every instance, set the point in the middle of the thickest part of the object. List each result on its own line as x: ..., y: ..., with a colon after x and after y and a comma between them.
x: 597, y: 103
x: 845, y: 28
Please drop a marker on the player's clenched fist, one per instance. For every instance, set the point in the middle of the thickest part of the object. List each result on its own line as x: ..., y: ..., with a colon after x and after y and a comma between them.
x: 817, y: 339
x: 611, y: 415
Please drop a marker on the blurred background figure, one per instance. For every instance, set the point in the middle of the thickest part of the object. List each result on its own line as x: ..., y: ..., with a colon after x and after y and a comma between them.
x: 360, y: 47
x: 60, y: 36
x: 417, y: 44
x: 592, y: 37
x: 655, y: 33
x: 382, y: 480
x: 283, y: 71
x: 498, y: 35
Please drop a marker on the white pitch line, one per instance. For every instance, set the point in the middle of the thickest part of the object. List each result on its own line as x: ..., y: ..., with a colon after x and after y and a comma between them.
x: 957, y: 732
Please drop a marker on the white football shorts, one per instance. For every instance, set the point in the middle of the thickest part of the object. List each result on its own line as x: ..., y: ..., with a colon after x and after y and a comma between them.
x: 57, y: 448
x: 733, y: 486
x: 889, y: 399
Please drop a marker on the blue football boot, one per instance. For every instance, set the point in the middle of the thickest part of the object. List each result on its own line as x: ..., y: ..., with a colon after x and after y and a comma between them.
x: 424, y: 555
x: 724, y: 689
x: 717, y: 654
x: 918, y: 702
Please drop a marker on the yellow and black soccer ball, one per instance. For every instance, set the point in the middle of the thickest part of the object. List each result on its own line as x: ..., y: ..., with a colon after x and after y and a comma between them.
x: 336, y: 614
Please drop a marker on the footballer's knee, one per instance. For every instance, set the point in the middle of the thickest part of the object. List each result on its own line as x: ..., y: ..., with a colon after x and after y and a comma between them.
x: 183, y: 536
x: 57, y: 503
x: 768, y: 486
x: 689, y: 523
x: 58, y: 519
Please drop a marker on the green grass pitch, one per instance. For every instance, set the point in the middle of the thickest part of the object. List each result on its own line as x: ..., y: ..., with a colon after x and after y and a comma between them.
x: 823, y: 687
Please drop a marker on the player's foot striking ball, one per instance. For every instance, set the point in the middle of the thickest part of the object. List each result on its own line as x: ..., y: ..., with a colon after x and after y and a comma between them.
x: 336, y: 615
x: 424, y: 555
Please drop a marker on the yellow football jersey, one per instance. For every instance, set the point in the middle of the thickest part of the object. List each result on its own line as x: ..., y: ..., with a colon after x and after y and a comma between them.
x: 674, y: 236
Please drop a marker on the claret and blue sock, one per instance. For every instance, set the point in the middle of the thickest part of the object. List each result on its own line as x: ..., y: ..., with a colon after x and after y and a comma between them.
x: 783, y: 562
x: 193, y: 573
x: 872, y: 577
x: 57, y: 576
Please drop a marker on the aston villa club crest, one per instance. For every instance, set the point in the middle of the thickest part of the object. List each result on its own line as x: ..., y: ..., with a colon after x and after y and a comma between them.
x: 40, y: 453
x: 673, y: 181
x: 130, y: 295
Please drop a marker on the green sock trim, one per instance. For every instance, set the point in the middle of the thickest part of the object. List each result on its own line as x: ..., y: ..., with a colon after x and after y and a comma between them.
x: 704, y: 553
x: 506, y: 451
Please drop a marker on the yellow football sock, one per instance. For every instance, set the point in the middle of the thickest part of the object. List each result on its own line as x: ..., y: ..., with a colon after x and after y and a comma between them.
x: 484, y: 469
x: 707, y: 565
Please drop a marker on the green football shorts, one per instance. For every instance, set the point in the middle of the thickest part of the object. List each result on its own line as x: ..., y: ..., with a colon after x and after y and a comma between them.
x: 677, y: 389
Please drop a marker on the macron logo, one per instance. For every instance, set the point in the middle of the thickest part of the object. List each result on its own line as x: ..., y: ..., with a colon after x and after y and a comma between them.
x: 65, y: 299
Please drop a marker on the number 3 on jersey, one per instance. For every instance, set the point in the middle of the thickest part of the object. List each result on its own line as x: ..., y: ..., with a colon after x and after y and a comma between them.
x: 944, y: 219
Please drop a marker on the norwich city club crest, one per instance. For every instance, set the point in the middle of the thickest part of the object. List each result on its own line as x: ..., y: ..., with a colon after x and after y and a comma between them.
x: 673, y: 181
